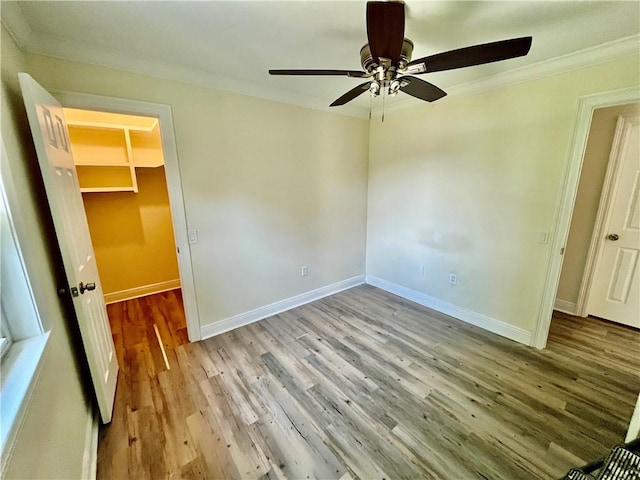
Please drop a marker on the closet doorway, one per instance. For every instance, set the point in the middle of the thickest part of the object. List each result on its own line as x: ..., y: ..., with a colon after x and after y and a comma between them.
x: 121, y: 171
x: 133, y: 198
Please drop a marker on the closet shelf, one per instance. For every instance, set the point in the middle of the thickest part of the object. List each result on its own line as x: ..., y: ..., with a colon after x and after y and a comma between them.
x: 107, y: 189
x: 108, y: 148
x: 115, y: 121
x: 102, y: 164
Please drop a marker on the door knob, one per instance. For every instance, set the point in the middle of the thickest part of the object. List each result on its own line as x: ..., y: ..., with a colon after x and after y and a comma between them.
x: 85, y: 287
x: 613, y: 237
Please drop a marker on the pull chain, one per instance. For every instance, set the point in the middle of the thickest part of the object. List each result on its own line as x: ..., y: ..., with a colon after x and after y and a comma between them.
x: 383, y: 97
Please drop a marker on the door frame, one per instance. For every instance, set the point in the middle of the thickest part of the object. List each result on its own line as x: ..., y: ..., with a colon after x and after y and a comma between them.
x: 597, y: 239
x: 174, y: 183
x: 573, y: 168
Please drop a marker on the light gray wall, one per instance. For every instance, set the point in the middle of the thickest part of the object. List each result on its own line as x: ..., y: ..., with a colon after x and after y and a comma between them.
x: 269, y: 187
x: 466, y: 185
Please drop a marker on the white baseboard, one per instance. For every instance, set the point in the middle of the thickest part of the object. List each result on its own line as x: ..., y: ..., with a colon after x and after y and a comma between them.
x: 479, y: 320
x: 137, y: 292
x: 564, y: 306
x: 90, y: 456
x: 246, y: 318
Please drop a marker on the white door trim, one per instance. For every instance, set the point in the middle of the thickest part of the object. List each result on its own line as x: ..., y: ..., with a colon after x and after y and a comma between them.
x: 566, y: 204
x: 595, y: 247
x: 174, y: 183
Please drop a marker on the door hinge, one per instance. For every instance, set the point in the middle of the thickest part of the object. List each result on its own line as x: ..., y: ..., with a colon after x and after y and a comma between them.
x: 562, y: 251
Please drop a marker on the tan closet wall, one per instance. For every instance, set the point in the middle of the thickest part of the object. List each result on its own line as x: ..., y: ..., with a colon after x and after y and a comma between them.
x: 127, y: 204
x: 132, y: 236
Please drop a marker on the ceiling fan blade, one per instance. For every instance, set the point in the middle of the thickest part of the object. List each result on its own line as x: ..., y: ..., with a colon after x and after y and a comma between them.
x: 341, y: 73
x: 469, y: 56
x: 420, y: 89
x: 385, y: 30
x: 351, y: 94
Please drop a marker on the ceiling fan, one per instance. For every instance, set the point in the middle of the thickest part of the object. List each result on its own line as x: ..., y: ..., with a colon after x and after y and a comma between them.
x: 386, y: 59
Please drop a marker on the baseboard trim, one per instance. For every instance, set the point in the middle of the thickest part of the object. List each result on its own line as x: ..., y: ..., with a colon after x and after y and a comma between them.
x: 479, y: 320
x: 252, y: 316
x: 90, y: 456
x: 564, y: 306
x: 137, y: 292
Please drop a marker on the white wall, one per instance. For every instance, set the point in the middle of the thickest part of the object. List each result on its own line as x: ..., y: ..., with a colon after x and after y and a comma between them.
x: 269, y: 187
x: 466, y: 185
x: 51, y: 443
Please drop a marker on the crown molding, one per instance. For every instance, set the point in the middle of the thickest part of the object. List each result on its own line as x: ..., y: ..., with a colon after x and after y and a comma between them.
x: 15, y: 23
x: 55, y: 47
x: 51, y: 46
x: 610, y: 51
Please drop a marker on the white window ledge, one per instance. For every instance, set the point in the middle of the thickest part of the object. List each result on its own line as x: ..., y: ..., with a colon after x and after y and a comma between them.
x: 20, y: 369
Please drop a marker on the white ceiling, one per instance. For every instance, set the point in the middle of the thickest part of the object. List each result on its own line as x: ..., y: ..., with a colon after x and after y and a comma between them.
x: 231, y: 44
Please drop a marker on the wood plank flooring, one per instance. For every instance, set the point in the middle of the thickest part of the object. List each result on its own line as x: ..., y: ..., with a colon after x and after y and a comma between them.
x: 362, y: 384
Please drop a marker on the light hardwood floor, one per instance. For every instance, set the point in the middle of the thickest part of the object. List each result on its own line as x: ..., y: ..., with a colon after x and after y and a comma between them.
x: 362, y: 384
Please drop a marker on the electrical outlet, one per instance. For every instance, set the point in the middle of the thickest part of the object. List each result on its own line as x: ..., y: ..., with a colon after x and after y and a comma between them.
x: 305, y: 271
x: 543, y: 237
x: 453, y: 279
x: 193, y: 235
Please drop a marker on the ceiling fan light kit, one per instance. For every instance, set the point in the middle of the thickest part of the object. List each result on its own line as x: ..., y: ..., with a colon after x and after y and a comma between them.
x: 386, y: 59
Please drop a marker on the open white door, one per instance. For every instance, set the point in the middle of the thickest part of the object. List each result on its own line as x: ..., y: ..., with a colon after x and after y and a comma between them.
x: 51, y: 140
x: 615, y: 291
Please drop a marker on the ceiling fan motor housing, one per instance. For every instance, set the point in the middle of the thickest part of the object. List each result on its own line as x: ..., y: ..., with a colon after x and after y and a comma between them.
x: 369, y: 65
